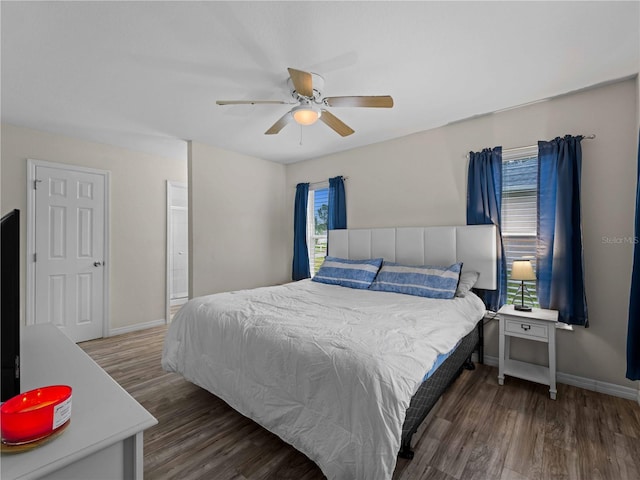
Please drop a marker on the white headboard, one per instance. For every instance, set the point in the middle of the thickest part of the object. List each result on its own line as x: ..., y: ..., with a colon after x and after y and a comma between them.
x: 474, y: 245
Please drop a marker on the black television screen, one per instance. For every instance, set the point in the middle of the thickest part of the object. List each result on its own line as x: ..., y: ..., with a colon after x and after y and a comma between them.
x: 10, y: 320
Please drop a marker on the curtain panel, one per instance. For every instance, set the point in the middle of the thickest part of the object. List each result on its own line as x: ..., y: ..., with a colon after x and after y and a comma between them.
x: 300, y: 249
x: 484, y: 200
x: 337, y: 205
x: 633, y: 332
x: 560, y: 263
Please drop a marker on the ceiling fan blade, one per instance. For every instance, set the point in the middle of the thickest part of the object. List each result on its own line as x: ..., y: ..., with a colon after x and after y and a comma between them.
x: 280, y: 124
x: 382, y: 101
x: 336, y: 124
x: 248, y: 102
x: 302, y: 81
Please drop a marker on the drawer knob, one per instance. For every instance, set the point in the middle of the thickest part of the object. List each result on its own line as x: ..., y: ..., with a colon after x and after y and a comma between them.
x: 525, y: 327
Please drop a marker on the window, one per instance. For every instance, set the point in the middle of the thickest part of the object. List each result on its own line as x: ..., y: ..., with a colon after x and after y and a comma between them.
x: 519, y: 213
x: 317, y: 218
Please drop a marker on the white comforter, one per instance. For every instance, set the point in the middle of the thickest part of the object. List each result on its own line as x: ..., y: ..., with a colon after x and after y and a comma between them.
x: 331, y: 370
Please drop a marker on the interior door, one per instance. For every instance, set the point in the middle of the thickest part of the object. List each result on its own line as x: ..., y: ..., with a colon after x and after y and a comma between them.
x: 70, y: 250
x: 180, y: 254
x: 178, y: 242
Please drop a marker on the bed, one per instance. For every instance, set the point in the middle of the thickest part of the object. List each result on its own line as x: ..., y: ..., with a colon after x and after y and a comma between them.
x: 340, y: 373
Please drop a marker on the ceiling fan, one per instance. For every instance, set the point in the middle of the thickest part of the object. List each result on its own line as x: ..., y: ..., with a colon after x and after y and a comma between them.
x: 306, y: 90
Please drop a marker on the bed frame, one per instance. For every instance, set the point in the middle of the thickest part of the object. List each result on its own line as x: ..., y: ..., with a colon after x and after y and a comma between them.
x: 474, y: 245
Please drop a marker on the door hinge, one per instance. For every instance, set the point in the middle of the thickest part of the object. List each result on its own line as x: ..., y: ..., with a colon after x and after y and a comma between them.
x: 35, y: 183
x: 35, y: 257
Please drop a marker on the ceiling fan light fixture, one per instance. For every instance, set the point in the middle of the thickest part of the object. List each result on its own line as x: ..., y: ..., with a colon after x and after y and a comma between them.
x: 306, y: 114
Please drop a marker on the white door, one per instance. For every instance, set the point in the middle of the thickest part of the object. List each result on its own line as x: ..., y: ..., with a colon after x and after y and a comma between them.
x: 178, y: 242
x: 179, y: 254
x: 69, y: 250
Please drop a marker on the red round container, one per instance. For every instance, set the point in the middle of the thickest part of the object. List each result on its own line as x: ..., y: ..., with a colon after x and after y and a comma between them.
x: 35, y: 414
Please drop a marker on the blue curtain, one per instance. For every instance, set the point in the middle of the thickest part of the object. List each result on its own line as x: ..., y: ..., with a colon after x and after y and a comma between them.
x: 633, y: 333
x: 337, y: 204
x: 484, y: 199
x: 560, y: 257
x: 300, y: 250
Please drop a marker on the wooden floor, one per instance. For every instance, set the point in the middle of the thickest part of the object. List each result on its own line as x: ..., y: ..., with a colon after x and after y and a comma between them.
x: 479, y: 430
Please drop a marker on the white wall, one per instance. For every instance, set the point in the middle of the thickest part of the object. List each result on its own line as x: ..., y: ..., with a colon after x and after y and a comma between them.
x: 237, y: 221
x: 138, y: 213
x: 421, y: 180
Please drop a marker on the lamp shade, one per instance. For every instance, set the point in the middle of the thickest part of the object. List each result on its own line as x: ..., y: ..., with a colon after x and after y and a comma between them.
x: 522, y: 270
x: 305, y: 114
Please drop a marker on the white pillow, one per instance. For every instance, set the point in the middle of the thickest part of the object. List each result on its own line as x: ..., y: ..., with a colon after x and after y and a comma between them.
x: 466, y: 283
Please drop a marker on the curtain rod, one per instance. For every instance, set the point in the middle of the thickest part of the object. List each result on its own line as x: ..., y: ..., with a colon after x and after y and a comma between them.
x: 323, y: 182
x: 586, y: 137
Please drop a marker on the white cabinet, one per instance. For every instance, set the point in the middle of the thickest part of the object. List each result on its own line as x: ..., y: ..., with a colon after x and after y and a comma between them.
x: 104, y: 438
x: 538, y: 325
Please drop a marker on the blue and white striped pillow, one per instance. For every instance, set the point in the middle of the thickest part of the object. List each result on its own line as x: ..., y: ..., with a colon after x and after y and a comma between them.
x: 348, y: 273
x: 428, y: 281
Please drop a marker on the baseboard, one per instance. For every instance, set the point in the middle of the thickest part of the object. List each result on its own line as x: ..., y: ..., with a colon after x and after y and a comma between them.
x: 138, y: 326
x: 628, y: 393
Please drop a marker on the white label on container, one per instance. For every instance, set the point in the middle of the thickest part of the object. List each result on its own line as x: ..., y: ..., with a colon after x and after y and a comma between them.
x: 61, y: 413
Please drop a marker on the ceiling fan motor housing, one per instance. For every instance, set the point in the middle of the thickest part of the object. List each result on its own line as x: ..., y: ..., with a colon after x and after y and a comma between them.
x: 318, y: 88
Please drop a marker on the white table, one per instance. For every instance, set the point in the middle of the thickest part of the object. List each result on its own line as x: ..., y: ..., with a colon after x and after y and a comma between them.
x: 104, y: 438
x: 538, y: 325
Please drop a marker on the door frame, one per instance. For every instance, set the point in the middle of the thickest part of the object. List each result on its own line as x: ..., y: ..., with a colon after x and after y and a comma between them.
x: 31, y: 236
x: 169, y: 249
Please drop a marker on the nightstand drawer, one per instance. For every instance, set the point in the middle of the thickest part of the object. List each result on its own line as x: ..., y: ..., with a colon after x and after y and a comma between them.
x: 526, y: 329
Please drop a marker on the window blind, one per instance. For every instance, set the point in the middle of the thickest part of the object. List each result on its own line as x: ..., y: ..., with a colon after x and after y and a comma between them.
x: 519, y: 215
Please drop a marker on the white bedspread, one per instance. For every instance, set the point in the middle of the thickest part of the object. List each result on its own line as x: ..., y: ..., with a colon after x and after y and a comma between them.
x: 331, y: 370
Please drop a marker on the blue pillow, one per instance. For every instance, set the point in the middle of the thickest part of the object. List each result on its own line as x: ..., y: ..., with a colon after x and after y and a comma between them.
x: 348, y: 273
x: 428, y: 281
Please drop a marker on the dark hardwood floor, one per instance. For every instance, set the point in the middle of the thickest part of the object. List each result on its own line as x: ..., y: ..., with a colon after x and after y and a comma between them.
x: 479, y: 430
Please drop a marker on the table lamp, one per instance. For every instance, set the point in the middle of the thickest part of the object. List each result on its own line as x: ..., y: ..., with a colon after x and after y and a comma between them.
x: 522, y: 270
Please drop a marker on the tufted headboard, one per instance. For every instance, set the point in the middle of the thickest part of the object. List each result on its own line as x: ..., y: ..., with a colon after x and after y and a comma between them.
x: 474, y: 245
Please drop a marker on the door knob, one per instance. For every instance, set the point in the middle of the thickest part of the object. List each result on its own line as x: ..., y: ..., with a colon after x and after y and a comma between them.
x: 97, y: 264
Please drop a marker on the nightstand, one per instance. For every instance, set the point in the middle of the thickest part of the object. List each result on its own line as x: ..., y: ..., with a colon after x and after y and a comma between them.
x: 538, y: 325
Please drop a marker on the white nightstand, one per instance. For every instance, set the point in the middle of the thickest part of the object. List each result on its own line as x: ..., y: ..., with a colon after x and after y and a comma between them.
x: 538, y: 325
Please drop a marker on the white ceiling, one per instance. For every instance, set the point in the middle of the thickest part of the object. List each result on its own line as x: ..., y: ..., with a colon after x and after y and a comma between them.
x: 146, y: 75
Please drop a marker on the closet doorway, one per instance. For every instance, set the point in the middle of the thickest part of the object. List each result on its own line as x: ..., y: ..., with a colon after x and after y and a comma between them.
x: 177, y: 247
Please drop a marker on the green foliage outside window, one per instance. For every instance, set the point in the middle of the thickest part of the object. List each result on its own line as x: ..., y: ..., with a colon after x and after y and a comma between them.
x: 321, y: 220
